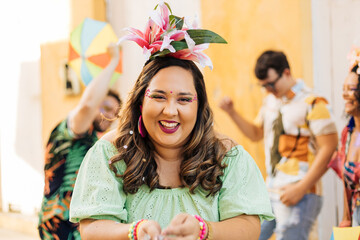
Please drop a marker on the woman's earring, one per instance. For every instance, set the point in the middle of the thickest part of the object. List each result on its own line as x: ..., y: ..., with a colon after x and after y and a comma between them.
x: 141, y: 127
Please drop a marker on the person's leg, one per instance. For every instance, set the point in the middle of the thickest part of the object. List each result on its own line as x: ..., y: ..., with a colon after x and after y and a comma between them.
x: 300, y: 219
x: 356, y: 217
x: 267, y: 229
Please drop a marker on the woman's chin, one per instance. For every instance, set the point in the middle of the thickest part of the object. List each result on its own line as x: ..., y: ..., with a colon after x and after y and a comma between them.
x: 353, y: 112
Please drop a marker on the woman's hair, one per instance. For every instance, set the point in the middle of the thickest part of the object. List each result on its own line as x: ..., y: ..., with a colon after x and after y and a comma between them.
x: 202, y: 154
x: 357, y: 92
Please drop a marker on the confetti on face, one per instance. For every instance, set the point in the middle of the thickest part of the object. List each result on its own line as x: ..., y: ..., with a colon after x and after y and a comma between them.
x: 147, y: 93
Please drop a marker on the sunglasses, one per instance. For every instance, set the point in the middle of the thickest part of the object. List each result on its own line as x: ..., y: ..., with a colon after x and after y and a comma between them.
x: 271, y: 84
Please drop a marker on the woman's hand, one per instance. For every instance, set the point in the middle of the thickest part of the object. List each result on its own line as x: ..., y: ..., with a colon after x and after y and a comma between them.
x: 291, y: 194
x: 226, y: 104
x: 345, y: 223
x: 114, y: 51
x: 182, y: 226
x: 150, y: 228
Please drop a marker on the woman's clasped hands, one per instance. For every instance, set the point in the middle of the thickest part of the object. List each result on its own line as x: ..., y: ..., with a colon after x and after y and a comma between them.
x: 182, y: 227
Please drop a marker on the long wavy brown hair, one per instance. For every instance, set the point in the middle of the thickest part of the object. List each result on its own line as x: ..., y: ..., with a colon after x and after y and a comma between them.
x: 202, y: 154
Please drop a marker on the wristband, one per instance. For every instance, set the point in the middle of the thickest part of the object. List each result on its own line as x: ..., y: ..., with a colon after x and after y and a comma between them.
x: 202, y: 227
x: 133, y: 229
x: 137, y: 227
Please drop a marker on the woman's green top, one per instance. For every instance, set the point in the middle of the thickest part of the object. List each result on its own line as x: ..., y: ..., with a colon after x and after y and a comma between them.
x: 98, y: 193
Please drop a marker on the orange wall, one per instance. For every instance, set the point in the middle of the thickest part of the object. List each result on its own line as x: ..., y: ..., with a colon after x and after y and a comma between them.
x: 80, y: 9
x: 250, y: 27
x: 55, y: 103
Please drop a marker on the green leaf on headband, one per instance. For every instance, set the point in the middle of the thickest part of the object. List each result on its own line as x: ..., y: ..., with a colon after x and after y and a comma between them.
x: 201, y: 36
x: 177, y: 21
x: 178, y: 45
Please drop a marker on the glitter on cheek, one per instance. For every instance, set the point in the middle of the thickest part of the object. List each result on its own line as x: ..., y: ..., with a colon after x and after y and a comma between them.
x: 147, y: 93
x: 195, y: 98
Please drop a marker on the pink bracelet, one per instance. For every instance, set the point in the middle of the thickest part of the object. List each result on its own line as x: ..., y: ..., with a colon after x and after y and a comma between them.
x: 202, y: 227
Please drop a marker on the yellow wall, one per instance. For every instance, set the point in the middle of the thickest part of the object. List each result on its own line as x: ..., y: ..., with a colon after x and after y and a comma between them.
x: 250, y: 27
x: 55, y: 103
x: 80, y: 9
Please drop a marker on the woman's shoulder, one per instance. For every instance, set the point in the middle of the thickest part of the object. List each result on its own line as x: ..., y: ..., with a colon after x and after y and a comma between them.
x: 110, y: 136
x: 106, y: 144
x: 228, y: 142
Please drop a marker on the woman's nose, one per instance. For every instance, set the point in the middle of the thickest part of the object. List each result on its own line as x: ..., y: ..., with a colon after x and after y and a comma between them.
x: 170, y: 108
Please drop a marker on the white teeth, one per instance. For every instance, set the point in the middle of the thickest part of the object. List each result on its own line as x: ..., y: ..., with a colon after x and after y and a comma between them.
x: 168, y: 125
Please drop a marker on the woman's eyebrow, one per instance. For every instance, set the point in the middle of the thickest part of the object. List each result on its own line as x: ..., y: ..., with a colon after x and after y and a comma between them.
x: 163, y: 92
x: 185, y: 93
x: 158, y: 91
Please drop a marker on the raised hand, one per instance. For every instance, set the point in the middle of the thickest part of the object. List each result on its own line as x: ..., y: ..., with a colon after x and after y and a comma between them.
x: 226, y: 104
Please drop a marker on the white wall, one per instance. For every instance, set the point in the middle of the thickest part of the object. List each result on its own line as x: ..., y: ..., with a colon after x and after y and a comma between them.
x: 335, y: 26
x: 25, y: 25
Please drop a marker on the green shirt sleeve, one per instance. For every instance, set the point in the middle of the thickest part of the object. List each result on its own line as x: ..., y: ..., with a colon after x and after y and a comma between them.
x: 243, y: 190
x: 98, y: 192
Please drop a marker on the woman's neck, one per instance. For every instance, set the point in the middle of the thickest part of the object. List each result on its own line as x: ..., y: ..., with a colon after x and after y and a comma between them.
x: 168, y: 166
x: 357, y: 123
x: 168, y: 158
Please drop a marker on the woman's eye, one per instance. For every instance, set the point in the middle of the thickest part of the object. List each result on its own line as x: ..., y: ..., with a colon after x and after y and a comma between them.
x: 189, y: 99
x: 157, y: 96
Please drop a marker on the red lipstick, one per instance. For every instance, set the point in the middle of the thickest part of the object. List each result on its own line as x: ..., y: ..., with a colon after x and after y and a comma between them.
x: 169, y: 130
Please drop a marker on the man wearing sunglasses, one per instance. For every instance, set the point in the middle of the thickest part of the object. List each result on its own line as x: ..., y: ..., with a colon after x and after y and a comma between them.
x: 299, y: 138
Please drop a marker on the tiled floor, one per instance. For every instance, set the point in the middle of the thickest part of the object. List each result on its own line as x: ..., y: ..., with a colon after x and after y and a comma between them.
x: 11, y: 235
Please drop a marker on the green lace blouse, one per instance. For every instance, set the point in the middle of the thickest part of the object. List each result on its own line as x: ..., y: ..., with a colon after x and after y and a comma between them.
x: 98, y: 193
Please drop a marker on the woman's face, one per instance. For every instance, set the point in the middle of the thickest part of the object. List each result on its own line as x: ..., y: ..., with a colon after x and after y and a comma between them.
x: 349, y: 89
x: 170, y: 107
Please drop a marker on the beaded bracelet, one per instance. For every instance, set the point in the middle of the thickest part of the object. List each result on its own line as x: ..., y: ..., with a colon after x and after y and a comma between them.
x: 133, y: 229
x: 138, y: 226
x: 202, y: 227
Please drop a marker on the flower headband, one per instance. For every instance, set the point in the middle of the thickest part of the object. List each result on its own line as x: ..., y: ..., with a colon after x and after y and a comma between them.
x: 165, y: 35
x: 354, y: 58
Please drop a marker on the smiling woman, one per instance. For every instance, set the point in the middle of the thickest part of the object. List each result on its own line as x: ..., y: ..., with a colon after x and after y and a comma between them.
x: 347, y: 161
x: 165, y: 172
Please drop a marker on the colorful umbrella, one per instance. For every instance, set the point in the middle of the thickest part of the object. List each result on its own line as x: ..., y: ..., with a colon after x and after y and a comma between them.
x: 88, y: 49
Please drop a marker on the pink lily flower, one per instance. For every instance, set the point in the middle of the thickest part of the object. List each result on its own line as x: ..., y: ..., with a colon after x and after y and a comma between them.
x: 166, y: 44
x: 161, y: 17
x: 194, y: 24
x: 196, y: 55
x: 161, y: 35
x: 354, y: 58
